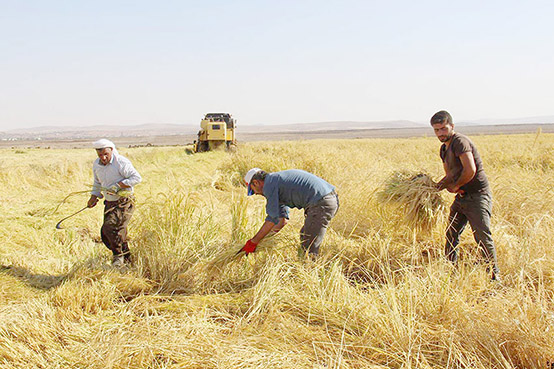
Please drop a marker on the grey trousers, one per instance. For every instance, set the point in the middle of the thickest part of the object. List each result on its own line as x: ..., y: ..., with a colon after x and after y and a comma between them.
x: 316, y: 220
x: 474, y: 208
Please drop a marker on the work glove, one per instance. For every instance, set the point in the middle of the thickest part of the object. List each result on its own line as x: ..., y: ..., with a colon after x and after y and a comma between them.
x: 113, y: 189
x: 249, y: 247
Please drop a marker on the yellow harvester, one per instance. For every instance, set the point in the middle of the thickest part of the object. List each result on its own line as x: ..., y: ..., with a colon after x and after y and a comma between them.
x: 216, y: 130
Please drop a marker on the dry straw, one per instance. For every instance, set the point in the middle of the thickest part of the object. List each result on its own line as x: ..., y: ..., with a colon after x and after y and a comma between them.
x: 121, y: 193
x: 371, y: 301
x: 416, y: 194
x: 230, y: 254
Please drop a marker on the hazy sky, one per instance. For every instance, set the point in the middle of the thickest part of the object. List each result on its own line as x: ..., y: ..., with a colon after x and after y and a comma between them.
x: 132, y: 62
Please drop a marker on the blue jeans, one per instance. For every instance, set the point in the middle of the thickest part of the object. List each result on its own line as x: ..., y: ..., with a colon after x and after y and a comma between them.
x: 474, y: 208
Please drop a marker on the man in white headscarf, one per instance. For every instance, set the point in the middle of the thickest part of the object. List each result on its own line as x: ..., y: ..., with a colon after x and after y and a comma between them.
x: 114, y: 179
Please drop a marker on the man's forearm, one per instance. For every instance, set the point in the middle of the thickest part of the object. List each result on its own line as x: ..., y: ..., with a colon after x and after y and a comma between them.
x: 123, y: 185
x: 464, y: 178
x: 277, y: 227
x: 444, y: 183
x: 264, y: 230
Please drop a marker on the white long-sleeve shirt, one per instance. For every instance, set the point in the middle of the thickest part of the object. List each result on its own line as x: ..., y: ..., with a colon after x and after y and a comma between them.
x: 119, y: 169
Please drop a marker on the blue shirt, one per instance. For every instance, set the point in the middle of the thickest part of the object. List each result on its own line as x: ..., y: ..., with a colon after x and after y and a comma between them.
x: 119, y: 169
x: 292, y: 188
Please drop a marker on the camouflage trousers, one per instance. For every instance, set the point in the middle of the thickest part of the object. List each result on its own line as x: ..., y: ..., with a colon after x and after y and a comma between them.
x: 117, y: 215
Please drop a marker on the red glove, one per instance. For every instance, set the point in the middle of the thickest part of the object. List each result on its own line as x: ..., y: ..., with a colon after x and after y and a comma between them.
x: 249, y: 247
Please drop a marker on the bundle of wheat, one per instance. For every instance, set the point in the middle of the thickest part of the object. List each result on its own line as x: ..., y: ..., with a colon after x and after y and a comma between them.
x: 417, y: 195
x: 232, y: 253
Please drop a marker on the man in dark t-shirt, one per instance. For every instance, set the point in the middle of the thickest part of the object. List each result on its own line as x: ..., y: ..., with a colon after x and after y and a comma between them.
x: 465, y: 176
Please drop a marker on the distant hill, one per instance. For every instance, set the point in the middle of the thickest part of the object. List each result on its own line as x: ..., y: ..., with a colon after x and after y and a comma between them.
x: 145, y: 130
x: 528, y: 120
x: 63, y: 133
x: 330, y: 126
x: 158, y: 129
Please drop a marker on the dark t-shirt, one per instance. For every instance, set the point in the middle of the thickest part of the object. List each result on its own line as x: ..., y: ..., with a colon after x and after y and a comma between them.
x: 451, y: 156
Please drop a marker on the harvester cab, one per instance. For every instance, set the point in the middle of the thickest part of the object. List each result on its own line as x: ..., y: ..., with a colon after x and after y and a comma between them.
x: 216, y: 130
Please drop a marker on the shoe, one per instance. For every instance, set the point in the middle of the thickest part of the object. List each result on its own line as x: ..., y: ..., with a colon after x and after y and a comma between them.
x: 118, y: 261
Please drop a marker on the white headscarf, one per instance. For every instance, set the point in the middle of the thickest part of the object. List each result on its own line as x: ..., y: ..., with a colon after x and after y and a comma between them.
x: 103, y: 143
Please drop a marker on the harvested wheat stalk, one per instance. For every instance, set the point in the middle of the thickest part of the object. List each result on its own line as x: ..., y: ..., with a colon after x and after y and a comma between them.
x: 230, y: 254
x: 417, y: 195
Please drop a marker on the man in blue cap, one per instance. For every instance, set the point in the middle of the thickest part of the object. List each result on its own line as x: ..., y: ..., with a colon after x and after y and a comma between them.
x: 293, y: 188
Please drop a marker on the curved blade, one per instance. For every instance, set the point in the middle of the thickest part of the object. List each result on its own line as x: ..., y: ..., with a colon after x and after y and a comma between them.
x: 59, y: 224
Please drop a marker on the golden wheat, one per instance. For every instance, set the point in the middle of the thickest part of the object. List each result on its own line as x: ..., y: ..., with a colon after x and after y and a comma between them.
x: 417, y: 196
x: 381, y: 294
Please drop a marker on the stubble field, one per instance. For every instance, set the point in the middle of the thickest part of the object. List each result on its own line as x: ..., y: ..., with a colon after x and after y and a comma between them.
x: 380, y: 296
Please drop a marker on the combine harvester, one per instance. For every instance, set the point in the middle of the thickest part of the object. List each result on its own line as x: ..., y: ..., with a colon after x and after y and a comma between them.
x: 216, y: 130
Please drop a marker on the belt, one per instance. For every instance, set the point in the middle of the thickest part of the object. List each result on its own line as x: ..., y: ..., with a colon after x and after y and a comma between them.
x: 473, y: 193
x: 329, y: 194
x: 120, y: 200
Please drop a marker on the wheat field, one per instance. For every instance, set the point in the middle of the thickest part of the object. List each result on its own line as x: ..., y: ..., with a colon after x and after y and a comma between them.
x: 380, y: 296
